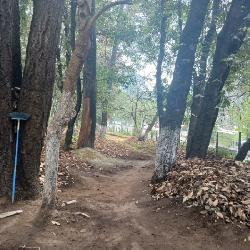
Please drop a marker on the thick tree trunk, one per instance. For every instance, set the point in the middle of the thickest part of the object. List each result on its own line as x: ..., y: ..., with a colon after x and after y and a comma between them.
x: 163, y: 34
x: 229, y: 42
x: 37, y: 87
x: 200, y: 80
x: 88, y: 123
x: 144, y: 136
x: 165, y: 152
x: 243, y: 151
x: 178, y: 91
x: 6, y: 28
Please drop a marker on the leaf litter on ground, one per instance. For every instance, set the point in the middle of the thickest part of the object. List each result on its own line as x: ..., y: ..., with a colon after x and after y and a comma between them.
x: 221, y: 187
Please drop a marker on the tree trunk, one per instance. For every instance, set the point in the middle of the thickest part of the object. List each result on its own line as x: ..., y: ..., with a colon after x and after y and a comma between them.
x: 229, y: 42
x: 163, y: 34
x: 37, y: 87
x: 144, y: 136
x: 200, y: 80
x: 71, y: 124
x: 6, y: 28
x: 178, y: 91
x: 16, y: 48
x: 88, y: 123
x: 243, y: 151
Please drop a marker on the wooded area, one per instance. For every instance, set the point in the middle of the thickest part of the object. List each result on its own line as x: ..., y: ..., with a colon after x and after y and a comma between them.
x: 93, y: 91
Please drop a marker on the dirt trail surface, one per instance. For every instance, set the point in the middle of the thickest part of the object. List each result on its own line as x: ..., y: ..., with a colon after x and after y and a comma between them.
x: 122, y: 216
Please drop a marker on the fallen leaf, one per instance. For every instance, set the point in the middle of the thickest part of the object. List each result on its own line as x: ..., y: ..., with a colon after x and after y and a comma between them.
x: 55, y: 223
x: 82, y: 214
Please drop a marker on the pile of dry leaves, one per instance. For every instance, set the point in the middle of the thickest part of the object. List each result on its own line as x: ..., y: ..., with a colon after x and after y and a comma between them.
x: 66, y: 161
x: 220, y: 187
x: 112, y: 148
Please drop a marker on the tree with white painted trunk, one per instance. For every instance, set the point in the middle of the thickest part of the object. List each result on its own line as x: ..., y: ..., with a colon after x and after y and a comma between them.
x: 65, y: 109
x: 178, y: 91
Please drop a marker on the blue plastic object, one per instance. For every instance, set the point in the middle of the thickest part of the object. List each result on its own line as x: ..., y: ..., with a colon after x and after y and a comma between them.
x: 18, y: 117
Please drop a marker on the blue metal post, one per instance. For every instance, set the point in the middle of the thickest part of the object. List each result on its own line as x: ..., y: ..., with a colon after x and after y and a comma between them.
x: 15, y: 166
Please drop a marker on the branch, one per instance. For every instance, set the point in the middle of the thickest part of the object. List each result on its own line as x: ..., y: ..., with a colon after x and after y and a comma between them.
x: 108, y: 7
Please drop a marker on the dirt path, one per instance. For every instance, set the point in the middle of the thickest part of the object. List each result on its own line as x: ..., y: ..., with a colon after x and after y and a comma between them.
x: 122, y: 216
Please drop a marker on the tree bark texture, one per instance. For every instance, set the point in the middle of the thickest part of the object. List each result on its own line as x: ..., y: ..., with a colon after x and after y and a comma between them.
x: 88, y: 122
x: 200, y: 80
x: 6, y: 28
x: 178, y: 91
x: 243, y: 151
x: 71, y: 123
x: 229, y: 41
x: 163, y: 34
x: 16, y: 47
x: 37, y: 86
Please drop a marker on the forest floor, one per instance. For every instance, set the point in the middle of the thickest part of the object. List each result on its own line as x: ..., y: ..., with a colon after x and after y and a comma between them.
x: 115, y: 194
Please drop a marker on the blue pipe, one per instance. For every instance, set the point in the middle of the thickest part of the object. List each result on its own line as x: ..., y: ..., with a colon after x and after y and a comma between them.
x: 15, y: 165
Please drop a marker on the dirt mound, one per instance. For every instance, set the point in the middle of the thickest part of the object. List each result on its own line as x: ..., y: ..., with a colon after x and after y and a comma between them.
x: 125, y: 148
x: 98, y: 160
x: 220, y: 187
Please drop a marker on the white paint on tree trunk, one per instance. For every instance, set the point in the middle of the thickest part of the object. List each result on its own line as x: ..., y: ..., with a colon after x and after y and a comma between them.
x: 54, y: 135
x: 103, y: 131
x: 166, y: 151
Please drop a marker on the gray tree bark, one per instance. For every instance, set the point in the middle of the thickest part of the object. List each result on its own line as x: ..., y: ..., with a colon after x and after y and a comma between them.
x: 6, y: 31
x: 243, y: 151
x: 71, y: 123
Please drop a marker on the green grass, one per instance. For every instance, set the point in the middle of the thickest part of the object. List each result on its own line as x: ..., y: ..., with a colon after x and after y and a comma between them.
x: 223, y: 152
